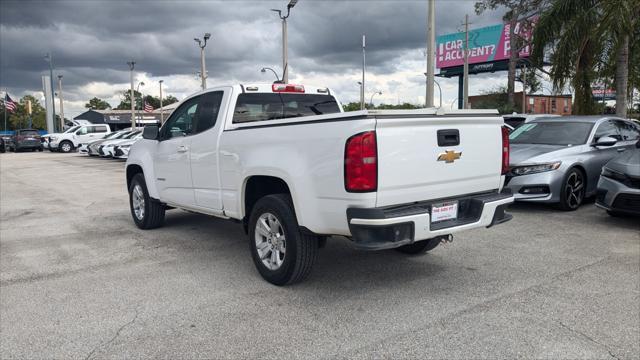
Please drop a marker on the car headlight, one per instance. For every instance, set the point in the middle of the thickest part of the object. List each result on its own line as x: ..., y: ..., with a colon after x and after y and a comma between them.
x: 534, y: 169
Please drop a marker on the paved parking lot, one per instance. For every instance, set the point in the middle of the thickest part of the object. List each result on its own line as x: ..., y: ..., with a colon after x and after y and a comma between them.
x: 79, y: 280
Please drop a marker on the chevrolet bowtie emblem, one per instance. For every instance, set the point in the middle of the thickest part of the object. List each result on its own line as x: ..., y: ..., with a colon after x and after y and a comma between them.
x: 449, y: 156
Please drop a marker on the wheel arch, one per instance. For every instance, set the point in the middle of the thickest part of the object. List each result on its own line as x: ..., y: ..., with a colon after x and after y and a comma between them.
x: 257, y: 186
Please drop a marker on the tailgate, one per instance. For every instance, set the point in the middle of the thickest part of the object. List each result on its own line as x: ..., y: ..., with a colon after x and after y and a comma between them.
x: 408, y: 152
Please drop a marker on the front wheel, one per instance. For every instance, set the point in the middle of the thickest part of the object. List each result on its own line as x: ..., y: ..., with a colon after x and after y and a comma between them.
x: 280, y: 251
x: 573, y: 190
x: 65, y: 146
x: 146, y: 213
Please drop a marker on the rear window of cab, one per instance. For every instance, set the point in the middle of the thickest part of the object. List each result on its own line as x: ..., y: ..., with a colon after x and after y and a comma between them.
x: 275, y: 106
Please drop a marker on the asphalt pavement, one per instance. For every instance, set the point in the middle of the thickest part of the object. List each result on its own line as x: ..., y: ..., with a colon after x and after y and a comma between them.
x: 79, y: 280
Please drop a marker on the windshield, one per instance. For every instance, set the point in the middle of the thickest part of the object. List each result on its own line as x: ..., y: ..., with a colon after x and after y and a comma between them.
x: 551, y: 133
x: 70, y: 130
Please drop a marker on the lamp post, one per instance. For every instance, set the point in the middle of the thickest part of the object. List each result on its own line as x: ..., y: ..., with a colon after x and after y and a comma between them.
x: 161, y: 109
x: 49, y: 58
x: 439, y: 91
x: 203, y: 71
x: 132, y: 97
x: 285, y: 53
x: 363, y: 68
x: 141, y: 99
x: 431, y: 53
x: 61, y: 102
x: 361, y: 95
x: 264, y: 70
x: 372, y: 95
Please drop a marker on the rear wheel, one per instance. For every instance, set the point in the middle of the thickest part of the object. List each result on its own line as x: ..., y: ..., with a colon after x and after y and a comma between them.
x: 419, y: 247
x: 573, y: 190
x: 66, y: 146
x: 146, y: 213
x: 280, y: 251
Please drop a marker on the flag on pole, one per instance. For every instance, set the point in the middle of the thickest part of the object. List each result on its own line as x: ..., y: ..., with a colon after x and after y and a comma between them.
x: 9, y: 104
x: 147, y: 107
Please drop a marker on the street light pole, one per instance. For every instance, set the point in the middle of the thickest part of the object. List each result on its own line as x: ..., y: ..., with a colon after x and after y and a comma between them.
x: 161, y: 109
x: 465, y: 91
x: 363, y: 70
x: 61, y: 102
x: 203, y: 68
x: 49, y: 58
x: 285, y: 51
x: 141, y: 99
x: 372, y: 95
x: 264, y: 70
x: 132, y: 97
x: 431, y: 47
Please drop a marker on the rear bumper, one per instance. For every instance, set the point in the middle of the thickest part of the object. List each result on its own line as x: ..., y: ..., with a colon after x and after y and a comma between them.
x: 391, y: 227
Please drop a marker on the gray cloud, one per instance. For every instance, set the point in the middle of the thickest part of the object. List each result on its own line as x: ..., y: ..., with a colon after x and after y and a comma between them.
x: 92, y: 40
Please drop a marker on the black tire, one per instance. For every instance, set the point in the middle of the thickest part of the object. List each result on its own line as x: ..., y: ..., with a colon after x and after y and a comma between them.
x: 419, y: 247
x: 153, y: 211
x: 573, y: 190
x: 301, y: 249
x: 40, y: 149
x: 62, y: 147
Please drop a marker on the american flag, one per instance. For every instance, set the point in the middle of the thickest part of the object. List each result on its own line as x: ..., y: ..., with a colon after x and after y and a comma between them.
x: 9, y: 104
x: 148, y: 107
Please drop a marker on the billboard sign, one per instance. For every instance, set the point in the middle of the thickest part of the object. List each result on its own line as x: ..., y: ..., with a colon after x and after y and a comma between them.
x: 491, y: 43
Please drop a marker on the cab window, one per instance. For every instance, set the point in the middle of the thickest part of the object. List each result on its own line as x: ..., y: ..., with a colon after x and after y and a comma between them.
x: 182, y: 121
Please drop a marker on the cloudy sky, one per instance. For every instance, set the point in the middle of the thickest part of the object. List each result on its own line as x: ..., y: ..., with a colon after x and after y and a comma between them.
x: 91, y: 41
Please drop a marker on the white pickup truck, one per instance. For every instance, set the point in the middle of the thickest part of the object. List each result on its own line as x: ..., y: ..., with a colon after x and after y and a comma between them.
x: 294, y: 169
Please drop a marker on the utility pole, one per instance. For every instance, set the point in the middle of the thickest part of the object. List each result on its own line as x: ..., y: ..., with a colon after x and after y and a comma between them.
x: 61, y: 102
x: 524, y: 89
x: 132, y: 98
x: 285, y: 51
x: 49, y: 58
x: 161, y: 109
x: 465, y: 91
x: 363, y: 71
x: 203, y: 68
x: 431, y: 47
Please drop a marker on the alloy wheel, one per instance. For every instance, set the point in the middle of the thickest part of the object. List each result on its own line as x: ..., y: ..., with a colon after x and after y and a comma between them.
x: 270, y: 241
x: 574, y: 190
x: 137, y: 200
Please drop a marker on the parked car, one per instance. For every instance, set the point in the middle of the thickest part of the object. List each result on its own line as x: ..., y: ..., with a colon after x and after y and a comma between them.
x: 560, y: 161
x: 288, y: 164
x: 93, y: 149
x: 45, y: 139
x: 121, y: 150
x: 69, y: 141
x: 2, y: 146
x: 106, y: 149
x: 515, y: 120
x: 619, y: 184
x: 84, y: 148
x: 25, y: 139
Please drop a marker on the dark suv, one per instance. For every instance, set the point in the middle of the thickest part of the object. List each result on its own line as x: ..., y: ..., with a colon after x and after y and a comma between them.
x: 25, y: 139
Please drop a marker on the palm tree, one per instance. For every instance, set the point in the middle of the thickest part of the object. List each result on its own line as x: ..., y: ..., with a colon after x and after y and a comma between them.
x: 589, y: 39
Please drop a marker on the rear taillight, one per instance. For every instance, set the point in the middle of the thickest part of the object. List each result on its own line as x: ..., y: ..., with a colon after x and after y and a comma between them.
x: 505, y: 150
x: 287, y: 88
x: 361, y: 163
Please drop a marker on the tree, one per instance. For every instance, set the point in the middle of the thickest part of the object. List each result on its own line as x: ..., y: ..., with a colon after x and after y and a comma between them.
x: 97, y: 104
x: 589, y: 40
x: 20, y: 117
x: 518, y: 12
x: 154, y: 101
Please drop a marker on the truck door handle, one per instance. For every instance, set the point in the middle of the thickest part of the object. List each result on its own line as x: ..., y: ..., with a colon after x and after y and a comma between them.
x: 182, y: 148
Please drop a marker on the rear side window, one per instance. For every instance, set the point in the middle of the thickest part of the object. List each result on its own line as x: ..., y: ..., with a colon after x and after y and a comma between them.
x: 265, y: 106
x: 99, y: 129
x: 208, y: 111
x: 29, y: 133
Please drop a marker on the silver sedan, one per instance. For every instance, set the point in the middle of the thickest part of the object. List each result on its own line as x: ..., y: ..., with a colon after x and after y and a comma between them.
x: 559, y: 160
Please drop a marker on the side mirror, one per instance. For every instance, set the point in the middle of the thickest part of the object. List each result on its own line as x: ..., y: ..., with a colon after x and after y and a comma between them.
x: 150, y: 132
x: 606, y: 141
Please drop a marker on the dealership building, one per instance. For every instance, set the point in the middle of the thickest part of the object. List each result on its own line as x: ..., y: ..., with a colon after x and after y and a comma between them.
x: 120, y: 119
